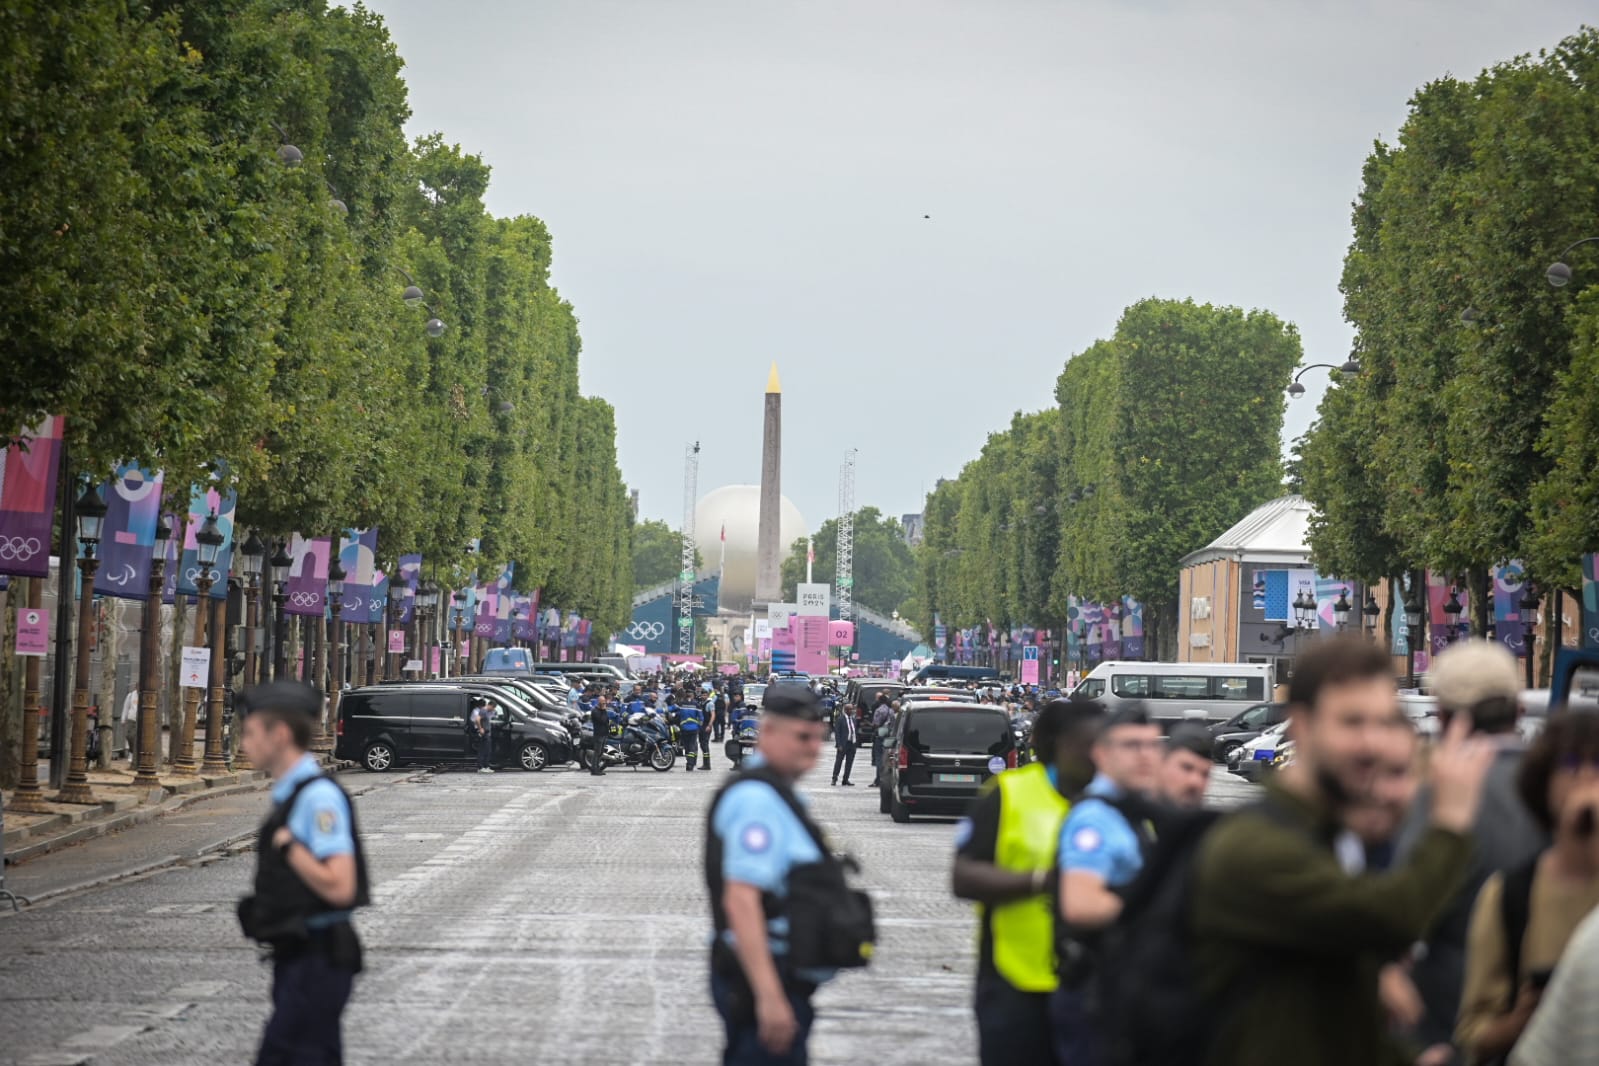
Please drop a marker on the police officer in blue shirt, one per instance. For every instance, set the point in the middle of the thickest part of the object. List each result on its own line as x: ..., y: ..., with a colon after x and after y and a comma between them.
x: 691, y: 723
x: 310, y: 874
x: 754, y: 839
x: 1102, y: 846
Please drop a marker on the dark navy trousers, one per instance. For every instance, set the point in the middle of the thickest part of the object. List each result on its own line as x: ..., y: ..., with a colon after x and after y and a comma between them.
x: 308, y: 997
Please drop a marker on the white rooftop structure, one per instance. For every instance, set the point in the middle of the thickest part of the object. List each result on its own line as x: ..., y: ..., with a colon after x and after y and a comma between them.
x: 1274, y: 532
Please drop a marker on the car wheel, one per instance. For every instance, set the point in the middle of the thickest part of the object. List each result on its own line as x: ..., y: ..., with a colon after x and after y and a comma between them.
x: 533, y: 756
x: 882, y: 801
x: 378, y: 757
x: 1228, y: 749
x: 897, y: 810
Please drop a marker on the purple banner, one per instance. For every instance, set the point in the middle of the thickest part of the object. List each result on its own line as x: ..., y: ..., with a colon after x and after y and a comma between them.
x: 308, y: 576
x: 27, y: 500
x: 525, y: 625
x: 1590, y: 602
x: 483, y: 621
x: 1132, y: 629
x: 357, y: 555
x: 410, y: 577
x: 133, y: 503
x: 204, y: 501
x: 169, y: 582
x: 1508, y: 630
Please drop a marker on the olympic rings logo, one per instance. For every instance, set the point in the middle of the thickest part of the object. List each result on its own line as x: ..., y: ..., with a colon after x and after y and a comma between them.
x: 646, y: 630
x: 19, y: 549
x: 305, y: 599
x: 192, y: 575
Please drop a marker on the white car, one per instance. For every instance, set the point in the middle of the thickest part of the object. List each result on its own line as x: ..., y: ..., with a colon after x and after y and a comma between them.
x: 1254, y: 758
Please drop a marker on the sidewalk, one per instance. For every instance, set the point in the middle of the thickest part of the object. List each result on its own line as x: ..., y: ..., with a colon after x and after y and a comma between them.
x: 28, y: 836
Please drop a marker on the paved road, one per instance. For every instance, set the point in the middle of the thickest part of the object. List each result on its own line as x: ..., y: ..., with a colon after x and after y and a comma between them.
x: 520, y: 917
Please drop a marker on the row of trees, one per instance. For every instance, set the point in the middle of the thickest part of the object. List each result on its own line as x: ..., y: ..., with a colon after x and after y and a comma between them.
x: 1162, y: 436
x: 185, y: 291
x: 1471, y: 437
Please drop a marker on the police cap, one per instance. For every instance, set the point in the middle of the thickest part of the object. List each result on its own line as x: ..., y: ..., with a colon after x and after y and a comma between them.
x: 792, y: 701
x: 293, y: 697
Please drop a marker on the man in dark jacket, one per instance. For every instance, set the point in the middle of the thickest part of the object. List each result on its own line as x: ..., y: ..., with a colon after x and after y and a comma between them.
x: 1286, y: 943
x: 844, y: 740
x: 600, y: 719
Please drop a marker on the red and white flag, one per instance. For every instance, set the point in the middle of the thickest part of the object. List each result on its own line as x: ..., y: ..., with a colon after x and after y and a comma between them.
x: 724, y: 532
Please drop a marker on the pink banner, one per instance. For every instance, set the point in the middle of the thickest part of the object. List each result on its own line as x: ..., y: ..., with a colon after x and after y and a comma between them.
x: 27, y: 500
x: 810, y: 651
x: 841, y: 634
x: 1029, y: 673
x: 33, y: 631
x: 396, y: 641
x: 435, y: 664
x: 308, y: 575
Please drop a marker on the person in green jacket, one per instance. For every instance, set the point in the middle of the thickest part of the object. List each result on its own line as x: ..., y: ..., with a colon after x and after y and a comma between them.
x: 1286, y: 944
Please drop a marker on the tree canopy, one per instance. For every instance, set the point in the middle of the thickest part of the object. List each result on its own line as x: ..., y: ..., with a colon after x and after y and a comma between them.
x: 657, y: 554
x: 882, y: 565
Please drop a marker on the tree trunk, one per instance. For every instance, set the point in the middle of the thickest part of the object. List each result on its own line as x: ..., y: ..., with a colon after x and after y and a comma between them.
x: 174, y: 693
x: 10, y: 687
x: 1482, y: 603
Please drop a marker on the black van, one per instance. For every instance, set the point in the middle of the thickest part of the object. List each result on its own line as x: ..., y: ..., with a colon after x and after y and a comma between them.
x: 862, y: 695
x: 384, y: 726
x: 941, y: 753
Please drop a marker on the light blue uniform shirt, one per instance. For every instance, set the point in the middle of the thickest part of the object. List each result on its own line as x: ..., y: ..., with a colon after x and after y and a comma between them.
x: 762, y: 841
x: 1096, y: 837
x: 320, y: 819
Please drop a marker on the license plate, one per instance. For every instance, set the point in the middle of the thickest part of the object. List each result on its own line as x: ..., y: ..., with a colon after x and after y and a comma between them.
x: 955, y: 779
x: 1264, y: 755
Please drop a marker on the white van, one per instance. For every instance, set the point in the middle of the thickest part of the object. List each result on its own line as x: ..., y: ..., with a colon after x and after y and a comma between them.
x: 1175, y: 692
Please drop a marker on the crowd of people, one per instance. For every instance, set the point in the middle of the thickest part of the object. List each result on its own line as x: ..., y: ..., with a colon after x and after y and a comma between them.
x: 1385, y: 901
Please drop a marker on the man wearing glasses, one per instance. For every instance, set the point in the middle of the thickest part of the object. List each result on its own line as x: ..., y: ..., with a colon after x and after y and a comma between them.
x: 1102, y: 845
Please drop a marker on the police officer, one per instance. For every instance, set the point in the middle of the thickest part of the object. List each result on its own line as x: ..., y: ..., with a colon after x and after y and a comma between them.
x: 690, y: 719
x: 719, y: 722
x: 600, y: 720
x: 754, y: 839
x: 310, y: 874
x: 1102, y: 847
x: 1005, y: 862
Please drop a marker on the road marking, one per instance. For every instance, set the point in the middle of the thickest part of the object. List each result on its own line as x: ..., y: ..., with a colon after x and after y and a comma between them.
x: 183, y: 908
x: 100, y: 1037
x: 198, y: 990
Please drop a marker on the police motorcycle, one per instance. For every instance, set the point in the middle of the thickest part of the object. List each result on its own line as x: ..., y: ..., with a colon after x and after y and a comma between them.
x: 741, y: 737
x: 645, y: 741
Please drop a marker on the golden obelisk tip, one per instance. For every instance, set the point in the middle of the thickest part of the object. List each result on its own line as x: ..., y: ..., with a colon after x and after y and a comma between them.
x: 772, y: 384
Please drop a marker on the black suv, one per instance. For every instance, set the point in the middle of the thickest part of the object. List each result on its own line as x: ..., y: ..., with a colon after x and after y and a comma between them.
x: 941, y: 753
x: 862, y: 694
x: 385, y: 726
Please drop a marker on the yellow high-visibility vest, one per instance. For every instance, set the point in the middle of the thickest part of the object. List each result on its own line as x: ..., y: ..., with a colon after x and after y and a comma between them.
x: 1031, y: 812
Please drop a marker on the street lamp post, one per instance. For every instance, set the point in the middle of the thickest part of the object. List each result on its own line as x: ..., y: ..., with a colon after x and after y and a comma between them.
x: 1559, y: 274
x: 1529, y: 625
x: 336, y: 575
x: 1342, y: 609
x: 91, y: 510
x: 1412, y: 633
x: 1454, y: 610
x: 427, y: 605
x: 213, y: 633
x: 1370, y: 614
x: 146, y: 775
x: 281, y: 562
x: 1348, y: 366
x: 251, y: 554
x: 460, y: 617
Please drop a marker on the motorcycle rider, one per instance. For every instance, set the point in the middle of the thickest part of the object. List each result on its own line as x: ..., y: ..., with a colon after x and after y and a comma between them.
x: 600, y: 719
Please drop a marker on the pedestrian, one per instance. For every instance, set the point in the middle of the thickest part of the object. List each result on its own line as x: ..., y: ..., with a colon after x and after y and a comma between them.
x: 1185, y: 767
x: 1524, y: 916
x: 690, y: 720
x: 882, y: 721
x: 1481, y: 681
x: 844, y: 745
x: 1564, y: 1030
x: 310, y: 874
x: 1102, y: 845
x: 1285, y: 946
x: 719, y: 727
x: 1005, y: 863
x: 758, y: 840
x: 130, y: 725
x: 482, y: 726
x: 600, y: 721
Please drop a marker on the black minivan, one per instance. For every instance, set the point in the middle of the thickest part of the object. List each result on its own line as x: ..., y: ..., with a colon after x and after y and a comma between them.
x: 384, y: 726
x: 940, y: 755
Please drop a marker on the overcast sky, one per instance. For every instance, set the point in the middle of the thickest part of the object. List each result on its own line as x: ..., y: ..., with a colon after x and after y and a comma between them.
x: 732, y: 182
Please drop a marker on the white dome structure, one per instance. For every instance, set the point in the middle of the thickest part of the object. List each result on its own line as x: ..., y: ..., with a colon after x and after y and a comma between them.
x: 739, y: 508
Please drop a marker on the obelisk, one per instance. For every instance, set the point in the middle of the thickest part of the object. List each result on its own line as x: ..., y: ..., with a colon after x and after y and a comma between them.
x: 768, y: 557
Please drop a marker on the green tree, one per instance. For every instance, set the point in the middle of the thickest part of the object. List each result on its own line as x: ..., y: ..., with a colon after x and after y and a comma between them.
x: 657, y: 554
x: 883, y: 565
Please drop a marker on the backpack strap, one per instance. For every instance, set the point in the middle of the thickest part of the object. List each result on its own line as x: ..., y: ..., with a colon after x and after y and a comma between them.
x: 1515, y: 909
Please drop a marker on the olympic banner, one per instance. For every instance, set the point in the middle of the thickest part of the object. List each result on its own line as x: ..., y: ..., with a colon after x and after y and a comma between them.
x: 1509, y: 581
x: 810, y: 649
x: 1132, y: 629
x: 27, y: 500
x: 1590, y: 602
x: 133, y: 504
x: 504, y: 604
x: 358, y: 556
x: 308, y: 576
x: 487, y: 611
x: 410, y: 577
x: 525, y: 625
x: 1438, y: 589
x: 1328, y: 592
x: 205, y: 501
x: 784, y: 648
x: 169, y: 582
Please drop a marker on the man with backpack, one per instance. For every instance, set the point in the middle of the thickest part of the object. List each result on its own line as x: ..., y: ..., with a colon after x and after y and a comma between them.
x: 783, y: 916
x: 1102, y: 845
x: 1005, y: 863
x: 1282, y: 946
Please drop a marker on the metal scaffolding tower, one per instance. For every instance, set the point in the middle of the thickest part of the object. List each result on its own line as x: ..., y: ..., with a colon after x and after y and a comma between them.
x: 685, y: 578
x: 844, y: 575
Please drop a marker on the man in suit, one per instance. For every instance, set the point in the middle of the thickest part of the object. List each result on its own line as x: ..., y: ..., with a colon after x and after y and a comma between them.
x: 844, y: 740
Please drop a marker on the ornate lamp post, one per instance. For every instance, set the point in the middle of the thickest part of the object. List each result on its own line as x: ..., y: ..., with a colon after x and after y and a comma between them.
x: 91, y: 510
x: 336, y: 575
x: 281, y: 562
x: 1348, y: 366
x: 1529, y: 625
x: 150, y: 662
x: 1341, y: 609
x: 251, y: 554
x: 460, y: 614
x: 1453, y: 609
x: 208, y: 544
x: 427, y: 599
x: 1369, y: 615
x: 1412, y: 633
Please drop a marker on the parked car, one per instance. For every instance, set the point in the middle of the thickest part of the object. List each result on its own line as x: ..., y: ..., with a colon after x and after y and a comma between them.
x: 385, y: 726
x: 1255, y: 757
x: 941, y: 753
x: 1243, y: 727
x: 861, y: 693
x: 1179, y: 692
x: 936, y: 673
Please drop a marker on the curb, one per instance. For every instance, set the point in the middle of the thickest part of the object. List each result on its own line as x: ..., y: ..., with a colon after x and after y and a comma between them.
x: 230, y: 843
